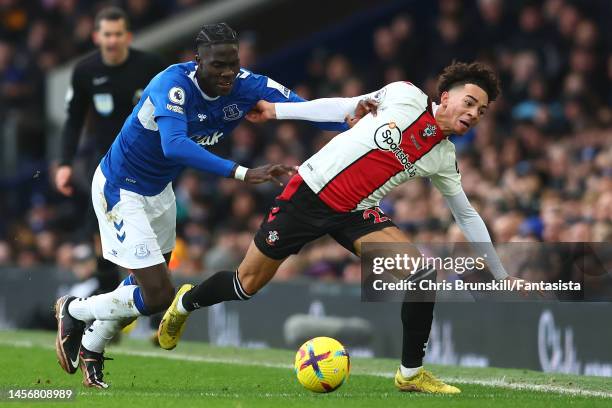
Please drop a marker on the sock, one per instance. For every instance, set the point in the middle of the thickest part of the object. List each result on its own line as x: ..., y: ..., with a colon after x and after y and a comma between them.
x: 129, y: 280
x: 220, y: 287
x: 416, y: 323
x: 417, y: 316
x: 179, y: 306
x: 123, y: 302
x: 409, y: 372
x: 101, y: 332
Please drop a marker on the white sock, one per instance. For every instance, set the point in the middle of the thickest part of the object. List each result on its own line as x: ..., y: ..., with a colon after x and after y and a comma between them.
x: 115, y: 305
x: 101, y: 332
x: 409, y: 372
x: 179, y: 306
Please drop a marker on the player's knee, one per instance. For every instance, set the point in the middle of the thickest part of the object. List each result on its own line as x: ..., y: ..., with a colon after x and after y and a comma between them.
x: 249, y: 283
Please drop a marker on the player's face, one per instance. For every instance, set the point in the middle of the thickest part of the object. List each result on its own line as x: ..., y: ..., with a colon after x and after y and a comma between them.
x: 218, y: 66
x: 465, y: 105
x: 114, y: 40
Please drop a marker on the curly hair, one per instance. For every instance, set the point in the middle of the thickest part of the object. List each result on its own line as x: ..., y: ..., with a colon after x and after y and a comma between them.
x: 461, y: 73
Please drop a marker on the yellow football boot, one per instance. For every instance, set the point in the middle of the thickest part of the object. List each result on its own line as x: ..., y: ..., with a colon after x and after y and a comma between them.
x: 173, y: 323
x: 423, y: 381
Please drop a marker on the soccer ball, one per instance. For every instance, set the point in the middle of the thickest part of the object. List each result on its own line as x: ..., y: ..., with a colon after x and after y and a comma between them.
x: 322, y: 364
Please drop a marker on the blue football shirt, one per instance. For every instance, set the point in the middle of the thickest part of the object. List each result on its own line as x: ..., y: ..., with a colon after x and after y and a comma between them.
x: 136, y: 161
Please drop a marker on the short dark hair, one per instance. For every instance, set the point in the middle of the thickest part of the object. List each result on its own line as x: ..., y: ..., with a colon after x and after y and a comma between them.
x: 461, y: 73
x: 219, y: 33
x: 111, y: 13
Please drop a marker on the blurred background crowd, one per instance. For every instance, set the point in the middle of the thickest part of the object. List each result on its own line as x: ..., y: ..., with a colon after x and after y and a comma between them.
x: 538, y: 168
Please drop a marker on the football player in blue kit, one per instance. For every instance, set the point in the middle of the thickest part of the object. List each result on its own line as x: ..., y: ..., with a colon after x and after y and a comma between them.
x: 184, y: 109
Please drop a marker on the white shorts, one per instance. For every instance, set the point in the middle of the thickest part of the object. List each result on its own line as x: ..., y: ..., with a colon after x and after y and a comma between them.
x: 135, y: 230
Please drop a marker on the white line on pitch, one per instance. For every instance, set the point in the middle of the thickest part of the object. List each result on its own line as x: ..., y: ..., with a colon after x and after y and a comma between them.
x: 498, y: 383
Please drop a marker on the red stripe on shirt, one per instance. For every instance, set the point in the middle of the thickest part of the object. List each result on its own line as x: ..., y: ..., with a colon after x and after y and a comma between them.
x: 352, y: 185
x: 366, y: 175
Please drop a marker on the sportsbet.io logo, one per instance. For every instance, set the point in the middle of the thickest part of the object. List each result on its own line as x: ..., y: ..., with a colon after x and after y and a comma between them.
x: 388, y: 137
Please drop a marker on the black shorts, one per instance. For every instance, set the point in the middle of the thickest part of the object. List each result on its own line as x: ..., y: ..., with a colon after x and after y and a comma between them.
x: 298, y: 217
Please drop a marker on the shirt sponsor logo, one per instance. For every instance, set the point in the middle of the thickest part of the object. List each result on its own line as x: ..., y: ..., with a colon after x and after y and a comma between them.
x: 103, y: 102
x: 177, y: 95
x: 388, y: 137
x: 174, y: 108
x: 231, y: 112
x: 208, y: 140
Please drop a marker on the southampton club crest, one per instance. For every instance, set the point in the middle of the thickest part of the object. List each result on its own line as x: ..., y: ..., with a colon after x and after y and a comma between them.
x: 429, y: 131
x: 231, y: 112
x: 272, y: 237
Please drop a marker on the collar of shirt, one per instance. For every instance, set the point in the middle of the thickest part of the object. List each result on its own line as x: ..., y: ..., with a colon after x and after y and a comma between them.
x: 434, y: 108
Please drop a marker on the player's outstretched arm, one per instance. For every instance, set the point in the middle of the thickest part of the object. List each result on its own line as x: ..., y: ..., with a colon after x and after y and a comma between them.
x: 475, y: 230
x: 325, y: 113
x: 348, y: 110
x: 180, y: 148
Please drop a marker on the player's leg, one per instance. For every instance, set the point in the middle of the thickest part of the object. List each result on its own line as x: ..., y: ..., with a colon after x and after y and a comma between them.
x: 128, y: 240
x: 372, y: 225
x: 95, y: 340
x: 101, y: 332
x: 280, y: 235
x: 255, y: 270
x: 416, y: 316
x: 154, y: 294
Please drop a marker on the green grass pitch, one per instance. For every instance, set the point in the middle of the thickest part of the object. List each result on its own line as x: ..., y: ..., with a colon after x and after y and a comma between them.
x: 201, y: 375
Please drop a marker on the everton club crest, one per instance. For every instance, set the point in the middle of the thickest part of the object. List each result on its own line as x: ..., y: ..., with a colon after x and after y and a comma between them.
x: 231, y: 112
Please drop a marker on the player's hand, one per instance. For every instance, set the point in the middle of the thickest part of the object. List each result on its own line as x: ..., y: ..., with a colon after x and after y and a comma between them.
x: 521, y: 289
x: 63, y: 180
x: 364, y: 107
x: 269, y: 172
x: 261, y: 112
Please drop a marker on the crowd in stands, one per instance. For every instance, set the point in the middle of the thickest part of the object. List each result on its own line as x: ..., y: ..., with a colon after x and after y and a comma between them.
x: 538, y: 168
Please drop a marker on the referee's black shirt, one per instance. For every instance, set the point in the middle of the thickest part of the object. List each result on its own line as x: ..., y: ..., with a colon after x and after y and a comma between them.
x: 102, y: 97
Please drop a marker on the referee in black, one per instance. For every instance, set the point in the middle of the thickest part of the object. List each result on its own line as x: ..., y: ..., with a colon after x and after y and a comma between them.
x: 106, y: 85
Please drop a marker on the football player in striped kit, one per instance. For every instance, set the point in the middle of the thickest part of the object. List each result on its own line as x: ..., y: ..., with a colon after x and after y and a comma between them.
x: 337, y: 191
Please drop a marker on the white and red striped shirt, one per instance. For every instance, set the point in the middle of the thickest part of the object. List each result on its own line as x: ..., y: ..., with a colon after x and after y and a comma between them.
x: 357, y: 168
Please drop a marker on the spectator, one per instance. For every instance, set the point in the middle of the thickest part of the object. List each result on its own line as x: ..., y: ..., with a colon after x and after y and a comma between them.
x: 538, y: 167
